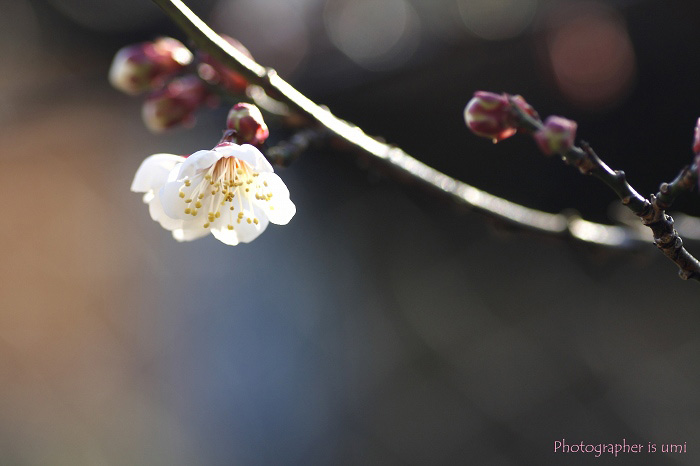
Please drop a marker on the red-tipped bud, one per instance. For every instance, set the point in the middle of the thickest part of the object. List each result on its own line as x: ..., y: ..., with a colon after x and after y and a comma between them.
x: 696, y: 140
x: 491, y: 116
x: 213, y: 72
x: 142, y: 67
x: 247, y: 121
x: 175, y: 104
x: 557, y: 135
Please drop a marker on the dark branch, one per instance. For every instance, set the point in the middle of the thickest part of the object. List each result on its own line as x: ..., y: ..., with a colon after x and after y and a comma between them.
x: 408, y: 168
x: 651, y: 212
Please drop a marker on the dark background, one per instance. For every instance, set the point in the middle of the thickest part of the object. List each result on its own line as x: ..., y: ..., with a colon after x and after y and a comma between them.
x: 380, y: 326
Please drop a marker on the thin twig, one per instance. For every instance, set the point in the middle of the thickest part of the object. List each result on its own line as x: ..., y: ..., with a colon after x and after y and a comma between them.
x: 285, y: 152
x: 651, y: 212
x: 409, y: 168
x: 685, y: 182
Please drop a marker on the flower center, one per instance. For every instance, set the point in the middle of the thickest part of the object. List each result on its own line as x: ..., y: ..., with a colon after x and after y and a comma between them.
x: 230, y: 184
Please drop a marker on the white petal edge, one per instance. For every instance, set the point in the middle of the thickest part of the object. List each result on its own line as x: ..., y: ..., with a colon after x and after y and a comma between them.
x: 190, y: 232
x: 244, y: 232
x: 279, y: 209
x: 155, y: 208
x: 153, y: 172
x: 248, y: 154
x: 281, y: 212
x: 200, y: 160
x: 173, y: 205
x: 220, y: 227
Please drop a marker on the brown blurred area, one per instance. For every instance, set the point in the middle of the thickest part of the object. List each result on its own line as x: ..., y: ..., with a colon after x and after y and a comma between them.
x: 380, y: 326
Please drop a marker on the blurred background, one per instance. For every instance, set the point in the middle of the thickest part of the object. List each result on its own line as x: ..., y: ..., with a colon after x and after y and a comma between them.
x: 380, y: 326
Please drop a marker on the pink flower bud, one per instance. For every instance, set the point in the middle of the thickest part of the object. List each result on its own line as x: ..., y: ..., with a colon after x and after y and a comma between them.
x: 490, y: 115
x: 557, y: 135
x: 175, y: 104
x: 141, y: 67
x: 696, y: 141
x: 213, y: 72
x: 247, y: 121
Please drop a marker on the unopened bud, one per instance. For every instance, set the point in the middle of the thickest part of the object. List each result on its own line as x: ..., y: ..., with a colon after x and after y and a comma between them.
x: 213, y: 72
x: 491, y: 115
x: 696, y: 140
x: 175, y: 104
x: 556, y: 136
x: 142, y: 67
x: 247, y: 121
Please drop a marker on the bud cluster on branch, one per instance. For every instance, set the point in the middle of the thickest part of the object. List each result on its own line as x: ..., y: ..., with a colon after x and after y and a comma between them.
x: 176, y: 81
x: 230, y: 191
x: 508, y: 115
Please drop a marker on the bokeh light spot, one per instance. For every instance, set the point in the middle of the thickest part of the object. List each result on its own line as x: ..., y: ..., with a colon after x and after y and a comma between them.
x: 591, y: 55
x: 376, y: 35
x: 497, y: 19
x: 274, y: 31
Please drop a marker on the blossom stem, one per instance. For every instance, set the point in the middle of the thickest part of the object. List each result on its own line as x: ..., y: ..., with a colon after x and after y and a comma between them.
x: 408, y: 169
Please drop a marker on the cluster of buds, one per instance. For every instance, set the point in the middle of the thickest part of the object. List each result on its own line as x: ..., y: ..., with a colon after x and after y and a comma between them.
x: 492, y: 116
x: 164, y: 68
x: 497, y: 117
x: 147, y: 66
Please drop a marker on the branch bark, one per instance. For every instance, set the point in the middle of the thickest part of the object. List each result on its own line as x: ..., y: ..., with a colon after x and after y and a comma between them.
x: 412, y: 170
x: 650, y: 211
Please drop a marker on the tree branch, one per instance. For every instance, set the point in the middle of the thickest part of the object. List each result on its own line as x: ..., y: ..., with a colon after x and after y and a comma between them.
x: 651, y: 212
x: 410, y: 169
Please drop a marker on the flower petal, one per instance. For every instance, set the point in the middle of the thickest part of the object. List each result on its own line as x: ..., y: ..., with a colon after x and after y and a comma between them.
x: 226, y: 236
x: 153, y: 172
x: 279, y: 209
x: 247, y: 153
x: 155, y: 208
x: 172, y: 203
x: 200, y: 160
x: 220, y: 228
x: 281, y: 212
x: 243, y: 232
x: 190, y: 231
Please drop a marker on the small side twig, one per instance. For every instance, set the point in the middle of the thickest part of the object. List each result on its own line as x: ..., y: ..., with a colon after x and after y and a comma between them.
x: 651, y: 211
x: 666, y: 237
x: 685, y: 182
x: 285, y: 152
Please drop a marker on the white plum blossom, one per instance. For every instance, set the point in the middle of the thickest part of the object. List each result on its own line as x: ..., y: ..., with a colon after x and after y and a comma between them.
x: 230, y: 191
